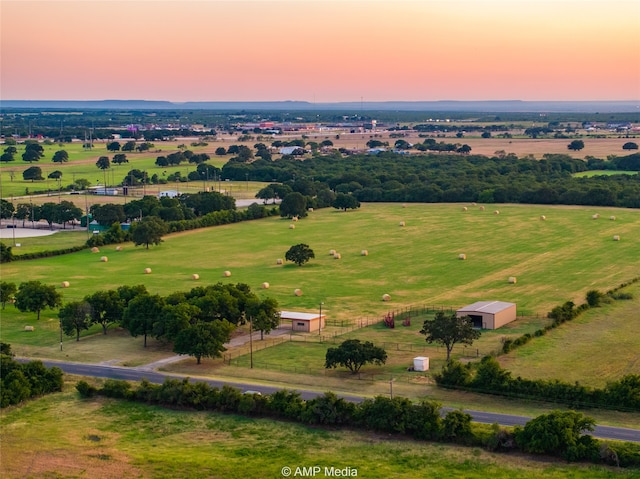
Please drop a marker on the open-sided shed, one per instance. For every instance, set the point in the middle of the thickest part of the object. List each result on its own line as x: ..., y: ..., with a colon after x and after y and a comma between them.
x: 305, y: 322
x: 489, y: 314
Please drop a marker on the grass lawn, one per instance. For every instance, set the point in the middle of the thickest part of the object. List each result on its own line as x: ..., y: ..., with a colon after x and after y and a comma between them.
x: 604, y: 173
x: 62, y: 436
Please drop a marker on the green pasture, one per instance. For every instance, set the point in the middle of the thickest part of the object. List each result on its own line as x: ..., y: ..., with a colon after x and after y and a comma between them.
x: 554, y: 260
x: 62, y: 436
x: 82, y: 164
x: 601, y: 345
x: 591, y: 173
x: 62, y: 239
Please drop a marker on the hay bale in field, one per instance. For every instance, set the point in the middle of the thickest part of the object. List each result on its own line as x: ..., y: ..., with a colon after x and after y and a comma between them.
x: 265, y: 285
x: 295, y: 218
x: 118, y: 248
x: 64, y: 284
x: 279, y: 261
x: 496, y: 212
x: 29, y: 328
x: 616, y: 238
x: 297, y: 292
x: 226, y: 274
x: 404, y: 205
x: 595, y: 217
x: 104, y: 259
x: 513, y: 280
x: 95, y: 249
x: 337, y: 256
x: 464, y: 208
x: 147, y: 271
x: 473, y: 204
x: 402, y: 223
x: 364, y: 252
x: 543, y: 218
x: 332, y: 252
x: 292, y: 226
x: 310, y: 210
x: 482, y: 208
x: 462, y: 256
x: 386, y: 297
x: 195, y: 276
x: 612, y: 218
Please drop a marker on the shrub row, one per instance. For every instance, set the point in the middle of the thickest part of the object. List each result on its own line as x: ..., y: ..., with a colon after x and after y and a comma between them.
x: 223, y: 217
x: 50, y: 253
x: 559, y: 433
x: 489, y: 377
x: 20, y: 382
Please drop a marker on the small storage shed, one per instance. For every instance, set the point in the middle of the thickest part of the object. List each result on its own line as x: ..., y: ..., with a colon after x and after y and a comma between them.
x: 489, y: 314
x: 421, y: 363
x: 305, y: 322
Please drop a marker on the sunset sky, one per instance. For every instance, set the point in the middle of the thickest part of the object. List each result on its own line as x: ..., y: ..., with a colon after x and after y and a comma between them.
x: 320, y: 51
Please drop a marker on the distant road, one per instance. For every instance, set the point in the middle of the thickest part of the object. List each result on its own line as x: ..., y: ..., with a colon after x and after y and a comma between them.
x: 133, y: 374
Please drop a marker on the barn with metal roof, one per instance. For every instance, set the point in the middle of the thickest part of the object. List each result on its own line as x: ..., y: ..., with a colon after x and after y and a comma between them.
x: 489, y: 314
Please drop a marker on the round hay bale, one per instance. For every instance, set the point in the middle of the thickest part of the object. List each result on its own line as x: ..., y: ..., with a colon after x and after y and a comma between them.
x: 513, y: 280
x: 595, y: 217
x: 616, y: 238
x: 332, y: 252
x: 95, y: 249
x: 543, y: 218
x: 295, y: 218
x: 118, y: 248
x: 386, y: 297
x: 311, y: 210
x: 404, y: 205
x: 473, y: 204
x: 64, y: 284
x: 612, y: 218
x: 147, y: 271
x: 297, y: 292
x: 364, y: 252
x: 496, y: 212
x: 462, y: 256
x: 226, y: 274
x: 402, y: 223
x: 464, y: 208
x: 279, y: 261
x: 265, y: 285
x: 104, y: 259
x: 292, y: 226
x: 482, y: 208
x: 195, y: 276
x: 337, y: 256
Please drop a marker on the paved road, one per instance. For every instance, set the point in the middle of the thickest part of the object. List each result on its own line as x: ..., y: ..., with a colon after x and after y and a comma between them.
x: 136, y: 374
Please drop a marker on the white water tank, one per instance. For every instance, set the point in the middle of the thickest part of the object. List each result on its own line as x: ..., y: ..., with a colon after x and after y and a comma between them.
x: 421, y: 363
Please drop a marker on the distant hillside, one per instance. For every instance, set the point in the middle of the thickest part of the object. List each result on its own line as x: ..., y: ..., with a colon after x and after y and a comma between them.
x: 439, y: 106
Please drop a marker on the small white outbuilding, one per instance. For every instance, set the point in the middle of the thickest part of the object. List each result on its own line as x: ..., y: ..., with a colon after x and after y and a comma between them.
x: 421, y: 363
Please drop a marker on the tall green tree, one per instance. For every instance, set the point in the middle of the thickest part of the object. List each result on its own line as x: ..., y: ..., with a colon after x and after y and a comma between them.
x: 576, y: 145
x: 299, y: 254
x: 104, y: 164
x: 353, y: 354
x: 106, y: 308
x: 60, y: 156
x: 204, y: 340
x: 148, y: 231
x: 264, y: 315
x: 141, y: 314
x: 33, y: 151
x: 7, y: 292
x: 33, y: 173
x: 344, y: 202
x: 294, y: 204
x: 34, y: 296
x: 448, y: 330
x: 75, y: 317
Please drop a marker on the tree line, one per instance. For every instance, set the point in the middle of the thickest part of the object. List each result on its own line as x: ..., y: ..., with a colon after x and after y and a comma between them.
x: 197, y: 322
x: 563, y: 434
x: 433, y: 178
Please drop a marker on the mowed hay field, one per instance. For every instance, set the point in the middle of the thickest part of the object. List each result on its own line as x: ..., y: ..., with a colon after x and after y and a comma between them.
x: 111, y: 439
x: 555, y: 260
